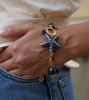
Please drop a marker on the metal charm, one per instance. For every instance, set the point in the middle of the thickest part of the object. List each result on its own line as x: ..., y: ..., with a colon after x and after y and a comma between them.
x: 51, y: 38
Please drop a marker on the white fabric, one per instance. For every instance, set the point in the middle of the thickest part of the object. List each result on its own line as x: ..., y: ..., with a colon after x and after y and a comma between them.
x: 16, y: 12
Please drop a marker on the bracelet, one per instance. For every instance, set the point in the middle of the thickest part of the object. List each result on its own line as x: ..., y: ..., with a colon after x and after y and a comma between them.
x: 51, y: 37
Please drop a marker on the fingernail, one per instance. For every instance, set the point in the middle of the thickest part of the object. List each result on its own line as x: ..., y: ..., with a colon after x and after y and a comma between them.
x: 2, y: 31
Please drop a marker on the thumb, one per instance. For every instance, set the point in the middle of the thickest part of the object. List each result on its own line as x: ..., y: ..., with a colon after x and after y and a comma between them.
x: 16, y: 31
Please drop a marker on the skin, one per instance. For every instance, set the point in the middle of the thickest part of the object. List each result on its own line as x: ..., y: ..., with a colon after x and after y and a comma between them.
x: 26, y: 58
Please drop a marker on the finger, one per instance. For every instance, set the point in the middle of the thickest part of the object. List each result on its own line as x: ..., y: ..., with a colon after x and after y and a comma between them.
x: 8, y: 65
x: 27, y: 76
x: 6, y: 54
x: 16, y: 71
x: 31, y: 76
x: 16, y: 31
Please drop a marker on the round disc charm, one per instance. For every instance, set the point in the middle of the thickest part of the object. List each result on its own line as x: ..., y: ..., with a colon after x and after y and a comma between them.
x: 50, y: 31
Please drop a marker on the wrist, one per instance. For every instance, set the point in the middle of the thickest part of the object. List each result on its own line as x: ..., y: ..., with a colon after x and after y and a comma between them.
x: 70, y: 48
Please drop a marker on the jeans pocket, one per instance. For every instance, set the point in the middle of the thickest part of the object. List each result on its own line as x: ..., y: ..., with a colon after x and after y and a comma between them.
x: 66, y: 87
x: 5, y: 75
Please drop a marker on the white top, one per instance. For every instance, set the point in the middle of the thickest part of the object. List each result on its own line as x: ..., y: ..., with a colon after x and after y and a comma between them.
x: 15, y: 12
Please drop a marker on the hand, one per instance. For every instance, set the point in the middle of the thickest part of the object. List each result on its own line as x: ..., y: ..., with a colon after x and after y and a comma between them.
x: 25, y: 57
x: 29, y: 59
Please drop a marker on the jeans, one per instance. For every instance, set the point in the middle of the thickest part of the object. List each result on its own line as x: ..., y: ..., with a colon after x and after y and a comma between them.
x: 13, y: 87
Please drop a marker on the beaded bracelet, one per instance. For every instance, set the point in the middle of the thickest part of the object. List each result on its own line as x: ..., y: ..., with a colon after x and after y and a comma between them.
x: 51, y: 37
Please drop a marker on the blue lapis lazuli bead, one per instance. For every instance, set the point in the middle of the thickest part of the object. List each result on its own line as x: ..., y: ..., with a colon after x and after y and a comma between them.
x: 51, y: 24
x: 55, y: 70
x: 43, y: 31
x: 52, y: 83
x: 52, y: 70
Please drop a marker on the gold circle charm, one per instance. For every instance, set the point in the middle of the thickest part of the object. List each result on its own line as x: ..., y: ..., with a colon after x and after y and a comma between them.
x: 50, y: 31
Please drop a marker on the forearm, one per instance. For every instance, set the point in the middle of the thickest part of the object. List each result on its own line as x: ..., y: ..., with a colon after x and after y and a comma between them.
x: 74, y: 40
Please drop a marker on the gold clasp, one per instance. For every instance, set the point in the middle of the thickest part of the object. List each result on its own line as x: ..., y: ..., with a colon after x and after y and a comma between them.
x: 50, y: 31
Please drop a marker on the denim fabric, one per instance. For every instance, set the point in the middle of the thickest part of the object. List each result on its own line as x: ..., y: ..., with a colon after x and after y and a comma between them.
x: 18, y: 88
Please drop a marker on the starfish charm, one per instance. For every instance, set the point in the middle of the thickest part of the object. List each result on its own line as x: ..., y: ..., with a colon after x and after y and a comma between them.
x: 51, y: 42
x: 51, y: 38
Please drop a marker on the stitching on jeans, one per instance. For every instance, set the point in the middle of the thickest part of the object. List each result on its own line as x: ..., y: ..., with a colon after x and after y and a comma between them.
x: 64, y: 96
x: 16, y: 78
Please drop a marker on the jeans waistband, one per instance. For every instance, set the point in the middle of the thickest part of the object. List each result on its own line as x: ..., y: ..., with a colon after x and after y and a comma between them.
x: 62, y: 71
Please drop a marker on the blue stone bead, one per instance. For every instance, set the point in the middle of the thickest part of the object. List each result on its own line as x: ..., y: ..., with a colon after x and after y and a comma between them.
x: 52, y: 83
x: 50, y: 71
x: 44, y: 31
x: 54, y: 68
x: 56, y: 71
x: 51, y: 24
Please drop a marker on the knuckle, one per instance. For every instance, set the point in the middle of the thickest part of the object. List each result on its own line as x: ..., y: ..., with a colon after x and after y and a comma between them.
x: 15, y: 47
x: 20, y: 60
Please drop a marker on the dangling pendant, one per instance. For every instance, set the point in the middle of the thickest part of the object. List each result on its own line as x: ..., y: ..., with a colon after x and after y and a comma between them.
x: 53, y: 71
x: 52, y: 83
x: 51, y: 37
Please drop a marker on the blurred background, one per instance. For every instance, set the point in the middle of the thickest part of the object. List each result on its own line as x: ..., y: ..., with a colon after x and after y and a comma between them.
x: 80, y: 76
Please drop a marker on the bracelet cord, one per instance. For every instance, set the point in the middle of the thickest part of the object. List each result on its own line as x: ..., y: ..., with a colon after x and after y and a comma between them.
x: 51, y: 37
